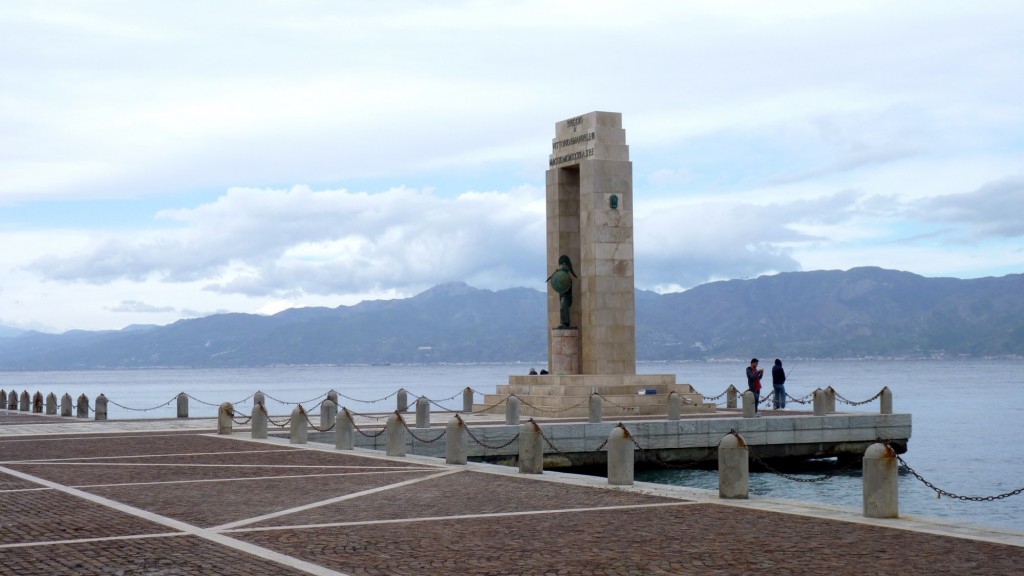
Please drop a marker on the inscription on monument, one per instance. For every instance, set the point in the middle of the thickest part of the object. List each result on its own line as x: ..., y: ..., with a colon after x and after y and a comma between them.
x: 577, y: 143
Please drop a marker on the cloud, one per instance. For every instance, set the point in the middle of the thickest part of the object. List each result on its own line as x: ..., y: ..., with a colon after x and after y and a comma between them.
x: 264, y: 242
x: 996, y: 209
x: 134, y: 306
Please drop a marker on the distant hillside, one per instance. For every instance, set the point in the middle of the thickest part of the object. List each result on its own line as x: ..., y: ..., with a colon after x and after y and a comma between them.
x: 825, y: 314
x: 8, y: 331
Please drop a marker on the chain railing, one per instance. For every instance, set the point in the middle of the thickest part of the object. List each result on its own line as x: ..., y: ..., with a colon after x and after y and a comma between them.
x: 939, y: 492
x: 862, y: 402
x: 415, y: 437
x: 123, y: 407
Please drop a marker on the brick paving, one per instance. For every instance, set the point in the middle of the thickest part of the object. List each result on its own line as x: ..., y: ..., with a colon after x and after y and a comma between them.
x: 183, y: 503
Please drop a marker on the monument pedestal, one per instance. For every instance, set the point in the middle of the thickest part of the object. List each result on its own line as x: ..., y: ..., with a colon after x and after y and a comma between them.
x: 568, y: 395
x: 565, y: 351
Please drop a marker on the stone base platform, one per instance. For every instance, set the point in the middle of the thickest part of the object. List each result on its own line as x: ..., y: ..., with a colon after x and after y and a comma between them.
x: 568, y: 396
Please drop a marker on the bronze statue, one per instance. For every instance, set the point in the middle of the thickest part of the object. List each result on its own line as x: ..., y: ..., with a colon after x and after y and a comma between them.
x: 561, y: 282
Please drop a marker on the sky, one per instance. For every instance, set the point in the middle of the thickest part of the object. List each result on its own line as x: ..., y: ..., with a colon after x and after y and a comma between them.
x: 170, y: 160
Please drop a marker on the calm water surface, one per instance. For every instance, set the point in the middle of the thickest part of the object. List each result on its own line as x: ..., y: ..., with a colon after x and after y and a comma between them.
x: 967, y: 414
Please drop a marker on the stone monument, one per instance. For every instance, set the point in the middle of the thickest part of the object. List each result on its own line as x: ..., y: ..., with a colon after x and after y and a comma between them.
x: 589, y: 185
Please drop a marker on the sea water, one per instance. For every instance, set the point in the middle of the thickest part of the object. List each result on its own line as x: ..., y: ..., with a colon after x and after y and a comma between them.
x: 967, y: 414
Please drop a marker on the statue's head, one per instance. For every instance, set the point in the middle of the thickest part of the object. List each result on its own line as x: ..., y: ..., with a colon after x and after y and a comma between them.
x: 564, y: 262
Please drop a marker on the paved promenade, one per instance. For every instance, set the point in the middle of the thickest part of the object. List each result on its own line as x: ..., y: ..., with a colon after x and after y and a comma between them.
x: 171, y: 497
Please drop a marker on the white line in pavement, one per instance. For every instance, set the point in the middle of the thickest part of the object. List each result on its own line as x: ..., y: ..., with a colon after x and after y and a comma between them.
x: 255, y: 519
x: 88, y: 540
x: 463, y: 517
x: 197, y: 465
x: 140, y: 456
x: 258, y: 551
x: 241, y: 479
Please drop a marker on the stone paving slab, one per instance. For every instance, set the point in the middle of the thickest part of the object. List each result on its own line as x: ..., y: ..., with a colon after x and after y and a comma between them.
x: 156, y: 556
x: 49, y: 515
x: 269, y: 508
x: 102, y: 473
x: 8, y: 418
x: 686, y: 539
x: 467, y: 493
x: 216, y: 503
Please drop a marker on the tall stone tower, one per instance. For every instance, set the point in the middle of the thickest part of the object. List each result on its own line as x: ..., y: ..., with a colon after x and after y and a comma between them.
x: 590, y: 220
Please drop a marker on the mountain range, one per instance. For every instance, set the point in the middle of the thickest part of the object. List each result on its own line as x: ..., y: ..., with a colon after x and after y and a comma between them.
x: 863, y: 312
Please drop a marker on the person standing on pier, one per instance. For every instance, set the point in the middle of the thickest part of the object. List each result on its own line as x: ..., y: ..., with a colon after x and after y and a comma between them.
x: 754, y: 381
x: 778, y: 385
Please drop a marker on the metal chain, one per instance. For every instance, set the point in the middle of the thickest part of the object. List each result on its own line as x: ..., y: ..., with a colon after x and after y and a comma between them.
x: 550, y: 411
x: 382, y: 430
x: 706, y: 399
x: 370, y: 416
x: 490, y: 446
x: 851, y: 403
x: 340, y: 395
x: 805, y: 400
x: 555, y: 448
x: 613, y: 403
x: 191, y: 397
x: 315, y: 427
x: 486, y: 408
x: 940, y: 492
x: 284, y: 402
x: 143, y: 409
x: 241, y: 422
x: 652, y: 456
x: 415, y: 437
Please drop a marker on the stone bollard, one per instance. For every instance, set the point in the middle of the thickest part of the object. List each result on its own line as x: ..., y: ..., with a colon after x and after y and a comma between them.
x: 299, y: 432
x: 748, y: 405
x: 467, y: 400
x: 402, y: 401
x: 456, y: 443
x: 82, y: 409
x: 258, y: 423
x: 51, y: 404
x: 422, y: 412
x: 328, y: 414
x: 531, y: 449
x: 733, y: 467
x: 344, y: 430
x: 886, y: 401
x: 394, y: 433
x: 730, y: 396
x: 3, y: 399
x: 24, y: 401
x: 675, y: 406
x: 830, y: 400
x: 332, y: 395
x: 225, y: 416
x: 819, y: 402
x: 101, y: 407
x: 37, y: 402
x: 595, y: 409
x: 65, y: 405
x: 512, y: 411
x: 259, y: 397
x: 12, y: 400
x: 881, y: 482
x: 182, y: 405
x: 620, y: 457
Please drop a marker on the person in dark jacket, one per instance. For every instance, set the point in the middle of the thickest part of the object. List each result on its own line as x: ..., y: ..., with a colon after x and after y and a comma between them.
x: 754, y: 376
x: 778, y: 385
